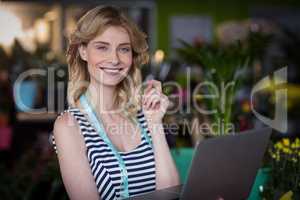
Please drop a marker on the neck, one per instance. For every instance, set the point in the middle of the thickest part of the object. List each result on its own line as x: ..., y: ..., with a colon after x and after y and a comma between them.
x: 101, y: 96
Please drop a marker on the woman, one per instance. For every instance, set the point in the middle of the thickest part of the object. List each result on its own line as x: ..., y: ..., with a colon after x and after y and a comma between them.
x: 110, y: 142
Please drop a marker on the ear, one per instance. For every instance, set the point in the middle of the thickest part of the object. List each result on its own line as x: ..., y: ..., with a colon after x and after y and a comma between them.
x: 82, y: 52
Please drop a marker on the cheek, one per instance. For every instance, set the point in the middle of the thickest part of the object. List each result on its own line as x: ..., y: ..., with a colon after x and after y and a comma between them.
x: 92, y: 61
x: 130, y: 61
x: 93, y: 58
x: 127, y: 60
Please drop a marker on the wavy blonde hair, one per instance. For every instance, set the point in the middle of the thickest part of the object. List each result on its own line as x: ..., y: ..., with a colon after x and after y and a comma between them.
x: 93, y: 23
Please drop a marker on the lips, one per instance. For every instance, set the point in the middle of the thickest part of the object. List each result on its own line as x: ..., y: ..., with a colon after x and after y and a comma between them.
x: 110, y: 70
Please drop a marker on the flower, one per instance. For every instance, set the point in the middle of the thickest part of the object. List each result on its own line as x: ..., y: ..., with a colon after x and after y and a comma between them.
x: 278, y: 145
x: 286, y: 141
x: 285, y: 168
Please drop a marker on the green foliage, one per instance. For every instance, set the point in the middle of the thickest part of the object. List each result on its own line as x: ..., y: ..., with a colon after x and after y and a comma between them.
x: 224, y: 67
x: 284, y: 169
x: 33, y: 177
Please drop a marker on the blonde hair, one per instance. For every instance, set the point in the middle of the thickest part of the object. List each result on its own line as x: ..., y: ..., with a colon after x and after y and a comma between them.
x: 94, y: 22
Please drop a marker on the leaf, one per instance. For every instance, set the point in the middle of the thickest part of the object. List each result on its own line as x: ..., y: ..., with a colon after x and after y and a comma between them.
x: 287, y: 196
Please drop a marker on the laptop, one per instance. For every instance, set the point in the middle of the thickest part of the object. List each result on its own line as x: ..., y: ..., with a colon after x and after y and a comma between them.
x: 222, y: 167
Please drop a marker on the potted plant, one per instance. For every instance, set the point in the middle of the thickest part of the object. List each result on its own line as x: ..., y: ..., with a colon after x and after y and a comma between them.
x: 284, y: 173
x: 223, y: 66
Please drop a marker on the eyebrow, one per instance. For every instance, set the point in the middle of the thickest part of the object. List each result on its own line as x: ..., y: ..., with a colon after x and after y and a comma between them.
x: 107, y: 43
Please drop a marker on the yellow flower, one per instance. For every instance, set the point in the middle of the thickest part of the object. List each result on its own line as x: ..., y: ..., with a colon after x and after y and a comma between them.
x: 273, y: 155
x: 286, y: 150
x: 246, y: 107
x: 278, y: 145
x: 287, y: 196
x: 286, y: 141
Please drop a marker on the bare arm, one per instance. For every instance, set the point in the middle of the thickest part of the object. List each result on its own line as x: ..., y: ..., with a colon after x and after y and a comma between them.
x: 166, y: 171
x: 73, y: 163
x: 155, y: 104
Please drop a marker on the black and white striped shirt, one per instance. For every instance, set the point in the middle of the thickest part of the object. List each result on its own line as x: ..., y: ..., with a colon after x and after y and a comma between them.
x: 104, y: 165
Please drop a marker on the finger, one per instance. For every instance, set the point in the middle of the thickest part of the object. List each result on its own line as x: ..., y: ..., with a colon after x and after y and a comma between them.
x: 157, y: 106
x: 154, y: 102
x: 147, y: 97
x: 151, y: 99
x: 157, y: 85
x: 153, y: 84
x: 149, y: 87
x: 164, y: 103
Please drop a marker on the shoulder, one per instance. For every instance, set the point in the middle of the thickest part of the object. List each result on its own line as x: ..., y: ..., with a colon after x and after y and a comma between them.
x: 65, y: 122
x: 73, y: 163
x: 67, y: 132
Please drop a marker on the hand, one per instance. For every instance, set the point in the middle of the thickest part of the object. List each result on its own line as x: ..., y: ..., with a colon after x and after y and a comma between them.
x: 154, y: 102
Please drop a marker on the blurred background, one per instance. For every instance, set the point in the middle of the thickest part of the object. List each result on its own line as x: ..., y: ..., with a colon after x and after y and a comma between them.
x: 190, y: 42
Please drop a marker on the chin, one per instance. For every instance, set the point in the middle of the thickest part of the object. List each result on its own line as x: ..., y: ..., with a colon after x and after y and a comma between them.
x: 111, y: 83
x: 107, y: 81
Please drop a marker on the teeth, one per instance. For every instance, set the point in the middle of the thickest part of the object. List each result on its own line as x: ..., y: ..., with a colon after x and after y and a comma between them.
x: 111, y: 70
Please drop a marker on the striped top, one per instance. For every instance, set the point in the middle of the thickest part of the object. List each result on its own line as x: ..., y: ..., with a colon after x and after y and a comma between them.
x: 104, y: 165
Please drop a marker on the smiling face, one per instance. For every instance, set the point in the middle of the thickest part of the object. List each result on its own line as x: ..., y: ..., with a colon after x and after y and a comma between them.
x: 108, y: 56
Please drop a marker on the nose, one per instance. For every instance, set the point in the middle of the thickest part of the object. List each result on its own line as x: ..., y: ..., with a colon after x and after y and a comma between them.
x: 114, y: 57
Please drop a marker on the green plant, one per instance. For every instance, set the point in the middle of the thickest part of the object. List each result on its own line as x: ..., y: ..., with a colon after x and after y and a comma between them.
x: 284, y: 169
x: 223, y: 67
x: 32, y: 177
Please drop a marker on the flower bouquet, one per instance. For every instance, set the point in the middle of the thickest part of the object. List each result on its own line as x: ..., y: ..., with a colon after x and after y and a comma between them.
x: 284, y: 181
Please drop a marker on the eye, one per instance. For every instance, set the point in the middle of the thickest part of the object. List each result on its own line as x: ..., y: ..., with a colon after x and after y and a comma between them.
x: 102, y: 48
x: 125, y: 49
